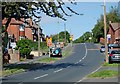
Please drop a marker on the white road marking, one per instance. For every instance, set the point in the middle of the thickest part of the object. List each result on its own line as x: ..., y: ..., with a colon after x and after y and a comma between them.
x: 40, y: 76
x: 68, y: 66
x: 96, y: 70
x: 84, y: 56
x: 58, y: 70
x: 90, y: 73
x: 79, y: 61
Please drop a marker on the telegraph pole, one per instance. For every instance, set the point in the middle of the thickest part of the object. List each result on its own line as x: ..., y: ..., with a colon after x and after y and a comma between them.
x: 105, y: 33
x: 58, y: 32
x: 38, y: 38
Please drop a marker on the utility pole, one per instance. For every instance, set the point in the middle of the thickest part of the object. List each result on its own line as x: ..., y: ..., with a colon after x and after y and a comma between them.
x: 38, y: 38
x: 38, y: 41
x: 105, y: 33
x: 65, y: 32
x: 58, y: 32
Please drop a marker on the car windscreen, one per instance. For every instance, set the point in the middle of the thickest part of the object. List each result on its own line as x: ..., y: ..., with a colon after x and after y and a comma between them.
x: 115, y: 52
x: 102, y: 46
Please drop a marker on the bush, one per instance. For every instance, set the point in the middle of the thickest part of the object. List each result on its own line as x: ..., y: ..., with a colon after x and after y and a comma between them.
x: 24, y: 46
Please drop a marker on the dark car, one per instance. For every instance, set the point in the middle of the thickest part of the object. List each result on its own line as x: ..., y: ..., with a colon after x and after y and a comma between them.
x: 102, y: 49
x: 114, y: 56
x: 55, y: 52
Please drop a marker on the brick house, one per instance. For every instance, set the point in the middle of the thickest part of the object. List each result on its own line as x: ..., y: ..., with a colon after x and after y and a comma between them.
x: 19, y: 29
x: 114, y: 31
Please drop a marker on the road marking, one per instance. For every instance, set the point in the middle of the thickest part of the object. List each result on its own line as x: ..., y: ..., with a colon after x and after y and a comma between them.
x: 92, y: 49
x: 58, y: 70
x: 85, y: 54
x: 96, y: 70
x: 40, y: 76
x: 90, y: 73
x: 68, y: 66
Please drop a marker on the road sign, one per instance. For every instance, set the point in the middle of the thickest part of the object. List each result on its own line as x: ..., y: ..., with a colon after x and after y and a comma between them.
x: 49, y: 41
x: 108, y: 36
x: 71, y: 37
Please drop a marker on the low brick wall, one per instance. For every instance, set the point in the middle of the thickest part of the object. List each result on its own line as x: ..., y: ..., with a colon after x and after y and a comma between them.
x: 14, y: 56
x: 35, y: 53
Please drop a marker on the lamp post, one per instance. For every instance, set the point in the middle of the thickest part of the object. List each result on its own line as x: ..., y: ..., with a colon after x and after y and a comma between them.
x: 105, y: 33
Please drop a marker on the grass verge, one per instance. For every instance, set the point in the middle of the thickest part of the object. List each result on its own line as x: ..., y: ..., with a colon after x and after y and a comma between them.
x: 23, y: 67
x: 65, y: 53
x: 11, y: 71
x: 104, y: 74
x: 114, y: 64
x: 48, y: 60
x: 15, y: 68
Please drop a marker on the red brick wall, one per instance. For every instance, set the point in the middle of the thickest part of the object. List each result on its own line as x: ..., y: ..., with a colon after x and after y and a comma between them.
x: 28, y: 33
x: 14, y: 29
x: 111, y: 31
x: 117, y: 33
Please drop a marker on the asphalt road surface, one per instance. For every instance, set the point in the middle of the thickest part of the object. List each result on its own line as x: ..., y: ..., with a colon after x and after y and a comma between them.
x: 85, y: 58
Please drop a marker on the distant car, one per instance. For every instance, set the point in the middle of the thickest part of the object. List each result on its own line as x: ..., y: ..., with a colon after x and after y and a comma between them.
x: 114, y: 56
x: 55, y: 52
x: 102, y: 49
x: 111, y: 45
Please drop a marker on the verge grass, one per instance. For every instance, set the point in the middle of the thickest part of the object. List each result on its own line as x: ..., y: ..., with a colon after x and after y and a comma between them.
x: 104, y: 74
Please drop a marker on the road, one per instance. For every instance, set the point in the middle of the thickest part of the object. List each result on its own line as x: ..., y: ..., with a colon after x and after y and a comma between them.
x: 85, y: 58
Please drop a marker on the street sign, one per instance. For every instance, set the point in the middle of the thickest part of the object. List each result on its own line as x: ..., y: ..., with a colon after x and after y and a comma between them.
x: 71, y: 37
x: 49, y: 41
x: 108, y: 36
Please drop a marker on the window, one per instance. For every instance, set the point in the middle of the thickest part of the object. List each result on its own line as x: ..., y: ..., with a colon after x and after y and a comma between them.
x: 22, y: 27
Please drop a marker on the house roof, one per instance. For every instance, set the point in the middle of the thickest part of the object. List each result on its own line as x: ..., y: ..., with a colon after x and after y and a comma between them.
x: 115, y: 26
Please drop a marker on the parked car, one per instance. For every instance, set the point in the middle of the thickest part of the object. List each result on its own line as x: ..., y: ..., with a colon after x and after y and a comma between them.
x: 114, y: 56
x: 55, y: 52
x: 102, y: 49
x: 114, y: 45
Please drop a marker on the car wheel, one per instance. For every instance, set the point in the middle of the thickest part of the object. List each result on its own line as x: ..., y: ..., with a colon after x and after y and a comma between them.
x: 110, y: 62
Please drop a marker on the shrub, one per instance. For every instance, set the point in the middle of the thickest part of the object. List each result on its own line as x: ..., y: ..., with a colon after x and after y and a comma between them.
x: 24, y: 46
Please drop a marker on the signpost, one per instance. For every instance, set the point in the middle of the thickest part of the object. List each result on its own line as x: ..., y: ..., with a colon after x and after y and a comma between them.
x: 71, y: 39
x: 49, y: 41
x: 108, y: 38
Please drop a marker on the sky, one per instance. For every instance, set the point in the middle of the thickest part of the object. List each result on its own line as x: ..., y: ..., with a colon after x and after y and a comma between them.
x: 77, y: 25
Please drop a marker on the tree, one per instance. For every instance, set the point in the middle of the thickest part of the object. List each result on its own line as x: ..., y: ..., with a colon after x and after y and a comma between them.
x: 20, y: 10
x: 61, y: 37
x: 98, y: 30
x: 84, y: 38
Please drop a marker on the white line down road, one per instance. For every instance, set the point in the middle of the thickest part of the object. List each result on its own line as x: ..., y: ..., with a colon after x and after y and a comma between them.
x: 41, y: 76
